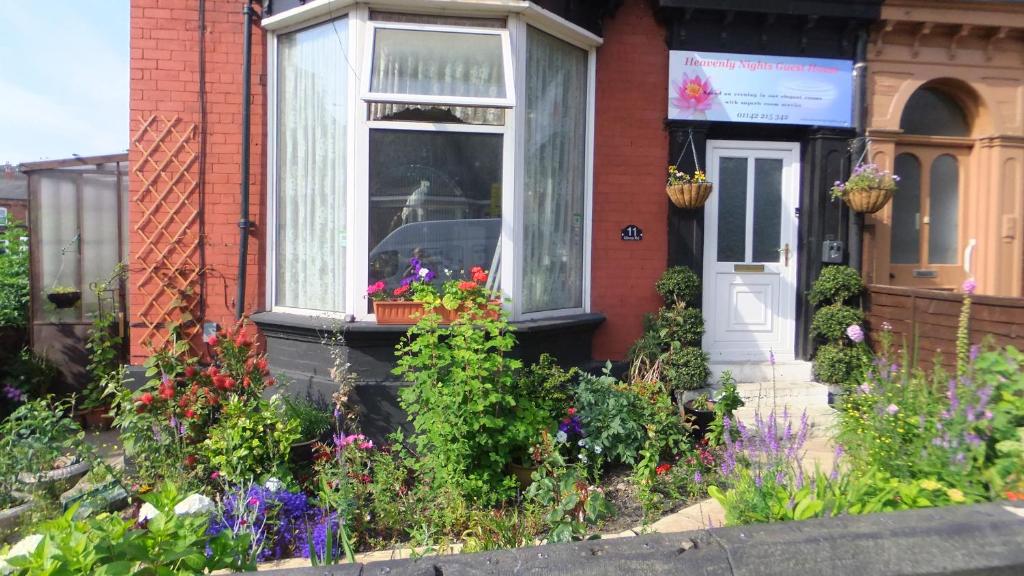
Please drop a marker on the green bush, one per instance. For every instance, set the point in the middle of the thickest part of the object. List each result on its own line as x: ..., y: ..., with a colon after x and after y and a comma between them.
x: 678, y: 324
x: 678, y: 286
x: 312, y: 420
x: 613, y: 417
x: 469, y: 414
x: 685, y: 368
x: 549, y: 385
x: 830, y: 322
x: 835, y: 285
x: 838, y: 364
x: 14, y: 281
x: 251, y: 441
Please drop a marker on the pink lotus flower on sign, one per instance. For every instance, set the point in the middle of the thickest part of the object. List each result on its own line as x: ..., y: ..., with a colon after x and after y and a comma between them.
x: 693, y: 93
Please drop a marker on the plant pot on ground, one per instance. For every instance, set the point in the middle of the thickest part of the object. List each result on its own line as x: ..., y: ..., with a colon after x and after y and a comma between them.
x: 523, y: 474
x: 13, y: 507
x: 685, y: 370
x: 699, y: 413
x: 314, y: 428
x: 97, y: 418
x: 66, y: 472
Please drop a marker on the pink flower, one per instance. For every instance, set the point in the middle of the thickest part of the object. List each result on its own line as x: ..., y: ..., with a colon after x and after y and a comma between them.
x: 375, y: 287
x: 855, y: 333
x: 692, y: 93
x: 212, y: 340
x: 254, y: 501
x: 214, y: 475
x: 969, y: 286
x: 892, y: 409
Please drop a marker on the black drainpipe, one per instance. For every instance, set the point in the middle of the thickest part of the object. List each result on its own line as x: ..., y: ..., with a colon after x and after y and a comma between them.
x: 860, y: 90
x: 243, y: 222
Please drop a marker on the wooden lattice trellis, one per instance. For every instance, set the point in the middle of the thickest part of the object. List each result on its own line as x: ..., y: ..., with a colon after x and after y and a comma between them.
x: 167, y: 199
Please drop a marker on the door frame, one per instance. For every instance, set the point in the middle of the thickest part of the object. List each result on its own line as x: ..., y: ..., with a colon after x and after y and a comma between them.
x: 788, y: 277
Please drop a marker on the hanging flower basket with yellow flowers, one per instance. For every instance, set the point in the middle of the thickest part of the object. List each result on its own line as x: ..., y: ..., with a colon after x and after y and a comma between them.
x: 687, y: 191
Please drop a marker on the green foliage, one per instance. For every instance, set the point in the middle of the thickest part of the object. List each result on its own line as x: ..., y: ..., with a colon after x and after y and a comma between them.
x: 838, y: 364
x: 612, y: 417
x: 835, y: 285
x: 571, y: 506
x: 105, y: 545
x: 502, y: 528
x: 104, y: 348
x: 549, y: 385
x: 685, y: 368
x: 727, y: 401
x: 312, y: 420
x: 30, y: 373
x: 250, y: 441
x: 679, y: 286
x: 469, y: 414
x: 678, y: 324
x: 14, y: 276
x: 32, y: 439
x: 830, y: 322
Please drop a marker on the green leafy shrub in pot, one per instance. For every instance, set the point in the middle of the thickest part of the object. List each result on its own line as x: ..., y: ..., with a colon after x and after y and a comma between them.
x: 830, y: 322
x: 679, y: 324
x: 685, y: 368
x: 835, y: 285
x: 469, y: 414
x: 838, y: 364
x: 679, y: 286
x: 312, y: 420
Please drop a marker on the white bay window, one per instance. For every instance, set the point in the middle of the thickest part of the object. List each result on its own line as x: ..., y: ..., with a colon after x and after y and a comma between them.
x: 460, y: 140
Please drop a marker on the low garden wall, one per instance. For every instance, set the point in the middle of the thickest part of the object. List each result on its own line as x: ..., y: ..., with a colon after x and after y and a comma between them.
x: 931, y: 317
x: 952, y: 541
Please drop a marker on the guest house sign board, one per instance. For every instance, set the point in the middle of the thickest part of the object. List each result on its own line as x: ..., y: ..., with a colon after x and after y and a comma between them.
x: 760, y: 89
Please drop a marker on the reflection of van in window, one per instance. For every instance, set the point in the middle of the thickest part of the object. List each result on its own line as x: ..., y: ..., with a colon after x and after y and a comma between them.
x: 441, y: 245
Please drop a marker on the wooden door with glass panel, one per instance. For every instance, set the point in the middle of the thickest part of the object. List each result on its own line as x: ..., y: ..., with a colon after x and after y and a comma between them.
x: 927, y: 217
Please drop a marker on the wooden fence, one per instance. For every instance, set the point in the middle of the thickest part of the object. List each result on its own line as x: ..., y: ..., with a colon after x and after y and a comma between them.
x: 931, y: 317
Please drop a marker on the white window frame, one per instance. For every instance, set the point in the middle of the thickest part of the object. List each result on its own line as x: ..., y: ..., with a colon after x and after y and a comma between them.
x: 372, y: 26
x: 359, y: 45
x: 3, y: 216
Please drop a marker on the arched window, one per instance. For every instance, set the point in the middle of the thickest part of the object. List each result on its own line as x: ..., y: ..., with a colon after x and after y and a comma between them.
x: 931, y: 157
x: 930, y: 112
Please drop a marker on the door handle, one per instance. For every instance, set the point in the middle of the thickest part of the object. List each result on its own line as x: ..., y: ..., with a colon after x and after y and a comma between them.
x: 785, y: 254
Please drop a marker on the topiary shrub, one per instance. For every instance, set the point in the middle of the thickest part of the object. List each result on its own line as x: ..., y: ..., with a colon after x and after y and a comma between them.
x: 679, y: 286
x: 835, y: 285
x: 838, y: 364
x: 678, y: 324
x: 830, y: 322
x: 685, y: 368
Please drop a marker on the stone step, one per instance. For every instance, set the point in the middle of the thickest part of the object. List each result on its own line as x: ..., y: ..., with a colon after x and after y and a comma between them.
x: 789, y: 371
x: 791, y: 393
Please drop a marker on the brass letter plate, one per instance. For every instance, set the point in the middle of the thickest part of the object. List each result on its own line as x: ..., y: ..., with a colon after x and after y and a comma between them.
x: 748, y: 268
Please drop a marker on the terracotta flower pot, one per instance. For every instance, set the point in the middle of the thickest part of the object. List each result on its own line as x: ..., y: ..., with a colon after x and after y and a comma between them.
x: 523, y: 474
x: 449, y: 316
x: 867, y: 200
x: 401, y: 312
x: 690, y: 195
x: 98, y: 418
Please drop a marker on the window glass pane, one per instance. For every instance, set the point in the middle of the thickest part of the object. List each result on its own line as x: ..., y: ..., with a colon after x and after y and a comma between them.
x: 732, y: 209
x: 312, y: 164
x: 435, y: 196
x: 553, y: 205
x: 438, y: 114
x: 100, y: 247
x: 58, y: 242
x: 767, y: 209
x: 906, y: 210
x: 431, y: 63
x: 943, y: 206
x: 932, y: 113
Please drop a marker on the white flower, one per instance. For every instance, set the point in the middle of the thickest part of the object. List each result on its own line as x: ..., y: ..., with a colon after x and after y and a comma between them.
x: 24, y: 547
x: 424, y: 272
x: 561, y: 437
x: 583, y: 458
x: 582, y: 442
x: 273, y: 484
x: 147, y: 511
x: 194, y: 504
x: 597, y: 448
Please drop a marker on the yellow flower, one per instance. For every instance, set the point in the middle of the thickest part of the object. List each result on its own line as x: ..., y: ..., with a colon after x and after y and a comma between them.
x: 930, y: 485
x: 955, y: 495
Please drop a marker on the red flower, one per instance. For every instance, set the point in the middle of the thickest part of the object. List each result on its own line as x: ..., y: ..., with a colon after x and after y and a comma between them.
x: 270, y: 382
x: 245, y: 382
x: 401, y: 290
x: 262, y: 365
x: 213, y: 371
x: 189, y: 371
x: 212, y: 340
x: 167, y: 391
x: 190, y: 461
x: 190, y: 413
x: 467, y: 285
x: 229, y: 383
x: 366, y: 479
x: 146, y: 398
x: 662, y: 469
x: 572, y: 411
x: 480, y: 276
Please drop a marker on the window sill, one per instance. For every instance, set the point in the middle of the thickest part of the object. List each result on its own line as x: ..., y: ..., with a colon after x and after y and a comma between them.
x: 359, y: 334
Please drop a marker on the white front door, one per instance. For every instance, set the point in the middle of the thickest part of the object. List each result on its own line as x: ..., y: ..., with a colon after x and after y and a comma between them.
x: 750, y: 250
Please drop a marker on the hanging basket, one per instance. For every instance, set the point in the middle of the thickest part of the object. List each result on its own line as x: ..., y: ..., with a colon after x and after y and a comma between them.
x: 867, y: 200
x: 64, y: 299
x: 689, y: 196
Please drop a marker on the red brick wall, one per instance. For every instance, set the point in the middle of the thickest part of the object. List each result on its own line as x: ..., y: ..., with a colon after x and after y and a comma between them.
x: 630, y: 156
x: 16, y: 210
x: 165, y: 81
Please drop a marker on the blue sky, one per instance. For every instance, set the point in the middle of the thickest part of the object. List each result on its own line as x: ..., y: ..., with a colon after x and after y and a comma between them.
x: 63, y: 78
